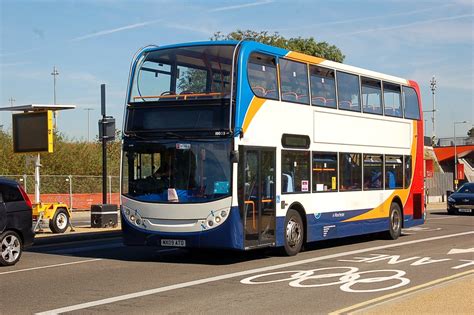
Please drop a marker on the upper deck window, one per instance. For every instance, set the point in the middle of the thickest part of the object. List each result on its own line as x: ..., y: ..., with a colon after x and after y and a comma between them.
x: 412, y: 110
x: 183, y: 73
x: 294, y: 81
x: 371, y: 96
x: 323, y: 87
x: 348, y: 91
x: 392, y: 99
x: 262, y: 75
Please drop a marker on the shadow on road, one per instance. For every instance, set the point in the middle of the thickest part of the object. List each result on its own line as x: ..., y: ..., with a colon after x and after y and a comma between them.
x: 113, y: 249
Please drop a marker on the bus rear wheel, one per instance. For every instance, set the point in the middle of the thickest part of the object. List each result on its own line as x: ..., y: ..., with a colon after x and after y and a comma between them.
x: 395, y: 224
x: 294, y: 233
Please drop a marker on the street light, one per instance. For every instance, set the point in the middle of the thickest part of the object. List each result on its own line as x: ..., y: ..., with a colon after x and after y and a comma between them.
x: 88, y: 109
x: 456, y: 155
x: 433, y: 89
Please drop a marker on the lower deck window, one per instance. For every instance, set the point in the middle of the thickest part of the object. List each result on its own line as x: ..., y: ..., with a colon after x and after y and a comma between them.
x: 373, y: 170
x: 295, y: 171
x: 324, y: 171
x: 350, y: 171
x: 393, y: 171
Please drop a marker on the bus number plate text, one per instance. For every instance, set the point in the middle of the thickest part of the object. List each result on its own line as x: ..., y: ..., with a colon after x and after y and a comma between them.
x: 173, y: 243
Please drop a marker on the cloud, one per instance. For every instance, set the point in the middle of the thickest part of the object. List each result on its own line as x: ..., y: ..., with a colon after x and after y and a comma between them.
x: 114, y: 30
x: 241, y: 6
x: 395, y: 27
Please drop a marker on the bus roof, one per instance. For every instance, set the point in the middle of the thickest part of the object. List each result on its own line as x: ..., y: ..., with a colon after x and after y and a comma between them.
x: 292, y: 55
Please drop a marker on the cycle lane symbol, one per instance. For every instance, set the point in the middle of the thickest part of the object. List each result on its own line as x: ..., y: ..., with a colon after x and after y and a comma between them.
x: 348, y: 278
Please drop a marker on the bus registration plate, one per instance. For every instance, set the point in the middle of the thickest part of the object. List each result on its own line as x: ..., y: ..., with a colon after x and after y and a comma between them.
x: 173, y: 243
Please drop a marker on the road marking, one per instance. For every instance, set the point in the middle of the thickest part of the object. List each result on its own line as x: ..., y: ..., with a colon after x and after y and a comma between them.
x: 461, y: 251
x: 393, y: 296
x: 50, y: 266
x: 239, y: 274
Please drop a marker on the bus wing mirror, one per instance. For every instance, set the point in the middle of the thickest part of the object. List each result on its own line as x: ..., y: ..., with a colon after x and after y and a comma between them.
x: 234, y: 156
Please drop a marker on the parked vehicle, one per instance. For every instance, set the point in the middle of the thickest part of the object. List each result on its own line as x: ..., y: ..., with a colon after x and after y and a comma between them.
x: 15, y: 222
x: 462, y: 200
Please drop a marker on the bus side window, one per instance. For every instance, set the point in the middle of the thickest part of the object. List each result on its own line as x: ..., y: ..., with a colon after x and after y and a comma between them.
x: 295, y: 171
x: 371, y: 96
x: 294, y: 81
x: 262, y: 76
x: 348, y: 91
x: 393, y: 171
x: 412, y: 110
x: 323, y: 87
x: 392, y: 100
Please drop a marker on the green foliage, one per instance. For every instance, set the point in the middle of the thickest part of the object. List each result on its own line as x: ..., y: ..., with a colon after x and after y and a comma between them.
x: 307, y: 46
x: 70, y: 157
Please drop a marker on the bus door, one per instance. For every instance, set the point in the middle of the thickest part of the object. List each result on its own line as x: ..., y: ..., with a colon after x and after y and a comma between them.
x: 257, y: 195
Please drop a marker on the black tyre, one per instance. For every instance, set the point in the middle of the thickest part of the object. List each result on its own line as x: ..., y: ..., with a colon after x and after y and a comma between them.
x: 60, y: 221
x: 294, y: 233
x: 11, y: 248
x: 395, y: 222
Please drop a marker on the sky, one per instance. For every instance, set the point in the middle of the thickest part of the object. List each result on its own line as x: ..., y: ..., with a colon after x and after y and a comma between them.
x: 93, y: 42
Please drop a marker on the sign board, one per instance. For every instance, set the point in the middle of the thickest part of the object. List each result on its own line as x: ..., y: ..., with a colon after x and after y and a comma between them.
x: 33, y: 132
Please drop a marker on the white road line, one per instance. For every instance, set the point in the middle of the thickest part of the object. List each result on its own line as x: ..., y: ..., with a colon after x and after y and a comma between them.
x: 50, y: 266
x: 239, y: 274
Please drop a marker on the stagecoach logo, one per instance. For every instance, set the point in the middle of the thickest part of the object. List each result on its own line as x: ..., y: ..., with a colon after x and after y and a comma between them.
x: 317, y: 216
x: 338, y: 215
x: 326, y: 229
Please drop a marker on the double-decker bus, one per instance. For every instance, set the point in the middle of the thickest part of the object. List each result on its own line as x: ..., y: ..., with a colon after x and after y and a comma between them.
x: 241, y: 145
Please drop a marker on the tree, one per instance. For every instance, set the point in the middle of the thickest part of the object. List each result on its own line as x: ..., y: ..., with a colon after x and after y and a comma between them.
x: 470, y: 132
x: 307, y: 46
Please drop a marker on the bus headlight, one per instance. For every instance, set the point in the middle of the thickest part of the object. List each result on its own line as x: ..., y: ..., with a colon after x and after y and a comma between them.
x: 132, y: 218
x: 223, y: 213
x: 218, y: 219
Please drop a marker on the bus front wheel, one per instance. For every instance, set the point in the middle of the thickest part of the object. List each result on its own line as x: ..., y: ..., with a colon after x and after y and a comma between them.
x: 294, y: 233
x: 395, y: 228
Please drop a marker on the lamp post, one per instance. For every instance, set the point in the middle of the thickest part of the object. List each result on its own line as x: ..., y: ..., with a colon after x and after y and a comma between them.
x: 456, y: 155
x: 433, y: 89
x: 88, y: 109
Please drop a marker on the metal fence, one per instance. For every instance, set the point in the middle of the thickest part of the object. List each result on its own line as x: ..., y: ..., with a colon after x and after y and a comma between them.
x: 78, y: 191
x: 437, y: 185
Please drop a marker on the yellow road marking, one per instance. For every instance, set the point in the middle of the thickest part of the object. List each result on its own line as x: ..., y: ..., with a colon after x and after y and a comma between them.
x: 400, y: 293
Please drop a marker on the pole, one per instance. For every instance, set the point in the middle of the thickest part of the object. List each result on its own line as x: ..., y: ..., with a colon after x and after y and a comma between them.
x: 70, y: 191
x: 104, y: 146
x: 433, y: 89
x: 37, y: 179
x: 88, y: 109
x: 455, y: 161
x: 110, y: 189
x: 54, y: 74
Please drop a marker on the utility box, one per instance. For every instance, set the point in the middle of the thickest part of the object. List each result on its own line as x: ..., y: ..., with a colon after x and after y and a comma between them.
x: 103, y: 216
